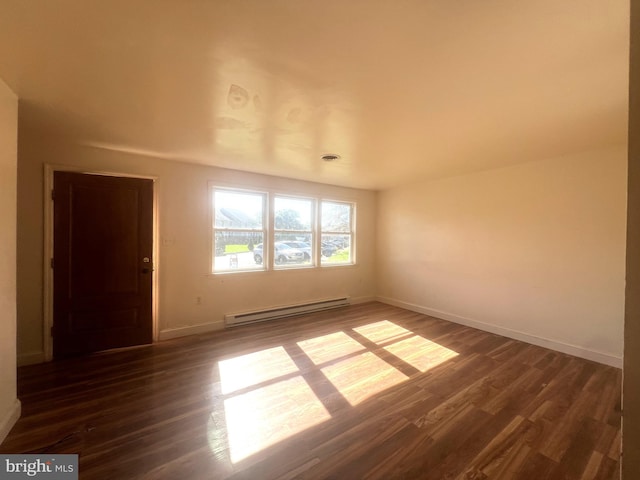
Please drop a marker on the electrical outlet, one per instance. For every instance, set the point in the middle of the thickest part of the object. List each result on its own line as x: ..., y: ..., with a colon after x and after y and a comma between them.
x: 198, y: 300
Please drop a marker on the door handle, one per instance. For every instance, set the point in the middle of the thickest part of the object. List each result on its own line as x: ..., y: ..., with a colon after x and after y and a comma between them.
x: 147, y: 268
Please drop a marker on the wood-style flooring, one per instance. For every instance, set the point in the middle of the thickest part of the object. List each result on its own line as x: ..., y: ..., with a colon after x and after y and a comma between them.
x: 368, y: 391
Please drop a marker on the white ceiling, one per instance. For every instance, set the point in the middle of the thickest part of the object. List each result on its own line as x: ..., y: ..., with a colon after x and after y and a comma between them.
x: 401, y: 89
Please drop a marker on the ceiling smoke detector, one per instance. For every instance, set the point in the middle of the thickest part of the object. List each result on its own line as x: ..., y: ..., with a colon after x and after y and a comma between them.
x: 330, y: 157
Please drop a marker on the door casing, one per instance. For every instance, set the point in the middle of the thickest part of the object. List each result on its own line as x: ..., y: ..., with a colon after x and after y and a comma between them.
x: 48, y: 249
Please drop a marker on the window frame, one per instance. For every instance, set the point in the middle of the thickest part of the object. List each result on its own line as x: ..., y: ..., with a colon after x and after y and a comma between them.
x: 264, y: 231
x: 351, y: 233
x: 313, y: 229
x: 269, y: 231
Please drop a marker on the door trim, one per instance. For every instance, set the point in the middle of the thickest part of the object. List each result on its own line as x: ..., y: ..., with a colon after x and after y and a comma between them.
x: 49, y: 169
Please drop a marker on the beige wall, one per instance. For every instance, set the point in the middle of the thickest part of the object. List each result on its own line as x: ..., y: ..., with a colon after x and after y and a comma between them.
x: 631, y: 381
x: 9, y: 405
x: 535, y: 251
x: 184, y: 234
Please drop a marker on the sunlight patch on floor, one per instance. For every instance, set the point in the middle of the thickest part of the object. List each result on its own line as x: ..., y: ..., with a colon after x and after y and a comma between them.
x: 421, y: 353
x: 268, y: 415
x: 362, y: 376
x: 267, y: 398
x: 330, y: 347
x: 254, y: 368
x: 384, y: 331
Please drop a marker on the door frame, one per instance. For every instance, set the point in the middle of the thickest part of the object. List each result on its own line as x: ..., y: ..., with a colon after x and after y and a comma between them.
x: 49, y: 170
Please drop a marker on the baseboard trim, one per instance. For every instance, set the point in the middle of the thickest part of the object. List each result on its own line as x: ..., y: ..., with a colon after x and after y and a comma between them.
x: 170, y: 333
x: 30, y: 358
x: 10, y: 419
x: 359, y: 300
x: 575, y: 350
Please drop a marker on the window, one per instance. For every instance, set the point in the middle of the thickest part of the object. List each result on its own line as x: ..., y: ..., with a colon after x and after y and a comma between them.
x: 238, y: 230
x: 297, y: 232
x: 336, y: 233
x: 293, y: 222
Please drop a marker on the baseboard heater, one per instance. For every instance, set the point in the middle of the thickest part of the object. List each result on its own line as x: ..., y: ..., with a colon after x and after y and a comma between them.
x: 233, y: 320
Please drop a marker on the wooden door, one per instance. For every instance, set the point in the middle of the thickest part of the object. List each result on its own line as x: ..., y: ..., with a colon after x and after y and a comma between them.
x: 102, y: 263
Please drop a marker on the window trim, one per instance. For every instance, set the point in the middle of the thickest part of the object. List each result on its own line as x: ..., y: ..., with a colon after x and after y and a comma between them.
x: 313, y: 231
x: 269, y: 231
x: 351, y: 233
x: 213, y: 188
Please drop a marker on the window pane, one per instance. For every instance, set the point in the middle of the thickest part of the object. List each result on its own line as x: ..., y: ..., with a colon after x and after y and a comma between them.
x: 298, y: 241
x: 238, y: 210
x: 238, y: 251
x: 285, y: 255
x: 336, y: 217
x: 292, y: 213
x: 336, y: 249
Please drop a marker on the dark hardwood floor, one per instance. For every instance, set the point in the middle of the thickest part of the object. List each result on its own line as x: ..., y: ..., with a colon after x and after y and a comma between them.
x: 368, y: 391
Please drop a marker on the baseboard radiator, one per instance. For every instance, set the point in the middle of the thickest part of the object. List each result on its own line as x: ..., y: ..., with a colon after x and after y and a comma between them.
x: 236, y: 319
